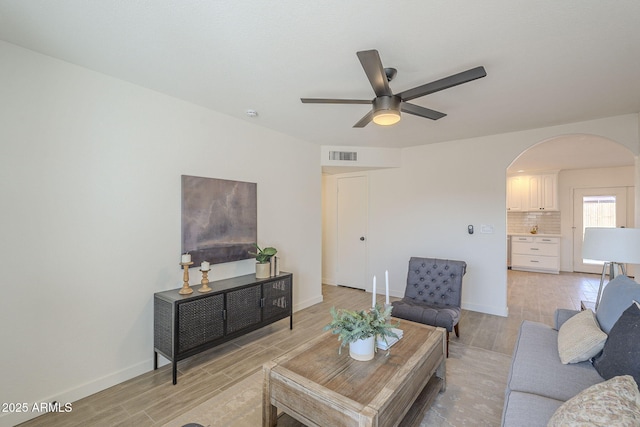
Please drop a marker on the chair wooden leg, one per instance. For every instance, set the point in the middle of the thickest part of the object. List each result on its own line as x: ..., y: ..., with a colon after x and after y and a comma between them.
x: 447, y: 344
x: 457, y: 331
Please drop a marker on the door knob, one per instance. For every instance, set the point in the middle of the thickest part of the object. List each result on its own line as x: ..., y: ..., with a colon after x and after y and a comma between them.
x: 362, y: 238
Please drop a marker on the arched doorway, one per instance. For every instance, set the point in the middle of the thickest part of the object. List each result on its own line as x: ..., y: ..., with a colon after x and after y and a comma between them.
x: 589, y: 169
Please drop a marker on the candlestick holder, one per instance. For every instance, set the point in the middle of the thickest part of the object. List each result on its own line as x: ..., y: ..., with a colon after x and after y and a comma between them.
x: 205, y: 281
x: 186, y: 289
x: 387, y: 306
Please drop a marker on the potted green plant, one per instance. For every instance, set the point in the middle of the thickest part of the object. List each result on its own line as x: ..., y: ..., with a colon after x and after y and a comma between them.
x: 263, y: 258
x: 359, y: 329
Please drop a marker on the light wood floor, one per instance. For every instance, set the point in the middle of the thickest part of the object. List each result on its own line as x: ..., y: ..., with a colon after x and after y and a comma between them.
x: 151, y: 399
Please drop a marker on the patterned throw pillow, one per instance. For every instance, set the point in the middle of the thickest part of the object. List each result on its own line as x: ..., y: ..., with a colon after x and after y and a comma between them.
x: 615, y: 402
x: 580, y: 338
x: 621, y: 353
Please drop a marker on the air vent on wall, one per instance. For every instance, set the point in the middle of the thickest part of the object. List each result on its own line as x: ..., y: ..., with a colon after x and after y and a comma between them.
x: 343, y: 155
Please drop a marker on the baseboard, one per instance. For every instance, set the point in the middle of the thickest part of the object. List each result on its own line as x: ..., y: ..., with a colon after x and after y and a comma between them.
x: 497, y: 311
x: 76, y: 393
x: 308, y: 303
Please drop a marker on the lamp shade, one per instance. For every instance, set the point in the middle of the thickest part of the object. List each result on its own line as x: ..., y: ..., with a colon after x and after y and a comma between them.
x: 620, y: 245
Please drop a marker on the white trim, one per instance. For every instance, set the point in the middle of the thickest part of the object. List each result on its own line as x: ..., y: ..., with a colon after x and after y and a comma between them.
x: 497, y: 311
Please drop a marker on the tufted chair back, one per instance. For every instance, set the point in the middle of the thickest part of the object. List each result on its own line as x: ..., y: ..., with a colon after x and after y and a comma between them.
x: 435, y: 282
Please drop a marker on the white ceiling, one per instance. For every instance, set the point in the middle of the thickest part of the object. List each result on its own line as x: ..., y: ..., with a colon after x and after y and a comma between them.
x: 548, y: 62
x: 572, y: 152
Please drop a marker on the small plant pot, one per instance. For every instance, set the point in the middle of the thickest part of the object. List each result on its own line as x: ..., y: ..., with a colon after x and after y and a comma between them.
x: 362, y: 350
x: 263, y: 270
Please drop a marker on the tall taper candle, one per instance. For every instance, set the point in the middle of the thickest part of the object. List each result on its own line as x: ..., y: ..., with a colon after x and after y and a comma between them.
x: 373, y: 302
x: 386, y: 276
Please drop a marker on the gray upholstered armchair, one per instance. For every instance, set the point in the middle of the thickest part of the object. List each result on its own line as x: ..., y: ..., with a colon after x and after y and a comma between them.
x: 433, y: 293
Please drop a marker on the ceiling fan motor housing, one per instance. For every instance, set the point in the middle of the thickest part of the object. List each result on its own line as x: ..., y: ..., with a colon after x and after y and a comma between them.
x: 386, y: 109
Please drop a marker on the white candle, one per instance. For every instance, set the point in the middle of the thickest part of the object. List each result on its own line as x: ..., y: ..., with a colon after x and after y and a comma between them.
x: 373, y: 302
x: 186, y: 258
x: 386, y: 276
x: 204, y: 266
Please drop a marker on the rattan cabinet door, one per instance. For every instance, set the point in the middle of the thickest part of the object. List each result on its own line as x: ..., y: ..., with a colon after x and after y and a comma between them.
x: 243, y: 308
x: 200, y: 321
x: 277, y: 298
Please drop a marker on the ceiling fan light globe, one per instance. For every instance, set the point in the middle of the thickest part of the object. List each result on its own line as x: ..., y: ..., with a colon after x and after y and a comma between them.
x: 386, y: 117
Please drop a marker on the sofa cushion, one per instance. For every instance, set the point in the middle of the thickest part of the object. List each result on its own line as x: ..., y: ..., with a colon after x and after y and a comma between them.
x: 616, y: 297
x: 615, y: 402
x: 528, y: 409
x: 536, y: 366
x: 580, y: 338
x: 621, y: 353
x: 562, y: 315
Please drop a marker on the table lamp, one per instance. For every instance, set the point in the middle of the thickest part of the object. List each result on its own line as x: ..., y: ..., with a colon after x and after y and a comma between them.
x: 615, y: 246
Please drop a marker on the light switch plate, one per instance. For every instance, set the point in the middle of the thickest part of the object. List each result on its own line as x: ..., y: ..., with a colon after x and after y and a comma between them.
x: 486, y: 228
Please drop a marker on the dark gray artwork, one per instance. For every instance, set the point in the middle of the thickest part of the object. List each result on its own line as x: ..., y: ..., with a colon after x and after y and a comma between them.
x: 219, y: 219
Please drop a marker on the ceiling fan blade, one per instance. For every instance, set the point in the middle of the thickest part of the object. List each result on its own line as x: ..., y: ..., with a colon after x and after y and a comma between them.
x: 370, y: 60
x: 447, y: 82
x: 417, y: 110
x: 365, y: 120
x: 334, y: 101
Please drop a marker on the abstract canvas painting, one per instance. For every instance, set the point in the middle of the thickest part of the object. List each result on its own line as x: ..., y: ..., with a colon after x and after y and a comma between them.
x: 219, y: 219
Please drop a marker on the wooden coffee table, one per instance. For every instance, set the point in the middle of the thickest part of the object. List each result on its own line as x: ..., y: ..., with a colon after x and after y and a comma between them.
x: 318, y: 387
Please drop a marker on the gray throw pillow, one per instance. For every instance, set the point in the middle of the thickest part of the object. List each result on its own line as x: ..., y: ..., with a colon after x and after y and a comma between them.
x: 620, y: 355
x: 616, y: 297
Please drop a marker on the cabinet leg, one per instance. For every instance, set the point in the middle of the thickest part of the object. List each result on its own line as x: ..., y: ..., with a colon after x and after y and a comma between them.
x: 175, y: 372
x: 291, y: 322
x: 155, y: 360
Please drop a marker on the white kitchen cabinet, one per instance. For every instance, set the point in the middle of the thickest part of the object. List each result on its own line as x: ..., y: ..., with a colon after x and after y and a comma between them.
x: 532, y: 193
x: 542, y: 192
x: 515, y: 193
x: 535, y: 253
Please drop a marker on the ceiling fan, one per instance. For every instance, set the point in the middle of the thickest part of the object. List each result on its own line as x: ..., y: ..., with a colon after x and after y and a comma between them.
x: 386, y: 106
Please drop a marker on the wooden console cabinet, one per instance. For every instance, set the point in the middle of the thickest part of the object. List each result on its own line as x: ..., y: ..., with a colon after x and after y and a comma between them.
x: 185, y: 325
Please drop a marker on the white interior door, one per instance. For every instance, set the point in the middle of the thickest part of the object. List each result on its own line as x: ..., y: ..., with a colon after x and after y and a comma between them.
x: 595, y: 207
x: 352, y: 232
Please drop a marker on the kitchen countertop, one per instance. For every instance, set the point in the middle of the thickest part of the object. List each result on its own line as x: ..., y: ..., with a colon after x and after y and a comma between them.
x: 534, y: 235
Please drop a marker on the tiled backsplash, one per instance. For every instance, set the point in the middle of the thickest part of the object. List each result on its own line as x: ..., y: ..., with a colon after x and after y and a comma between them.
x: 521, y: 222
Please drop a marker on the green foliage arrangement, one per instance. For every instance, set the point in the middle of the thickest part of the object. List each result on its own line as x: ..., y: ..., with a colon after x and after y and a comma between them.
x: 352, y: 325
x: 263, y: 255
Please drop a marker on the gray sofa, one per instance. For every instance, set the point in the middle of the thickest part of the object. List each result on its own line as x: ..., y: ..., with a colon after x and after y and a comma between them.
x: 538, y: 382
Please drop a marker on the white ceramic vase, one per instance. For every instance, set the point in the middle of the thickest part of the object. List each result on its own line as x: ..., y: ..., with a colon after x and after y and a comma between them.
x: 263, y: 270
x: 362, y: 350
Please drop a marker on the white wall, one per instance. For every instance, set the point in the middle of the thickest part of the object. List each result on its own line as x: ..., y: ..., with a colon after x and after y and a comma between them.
x: 329, y: 229
x: 367, y: 158
x: 90, y: 186
x: 424, y: 207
